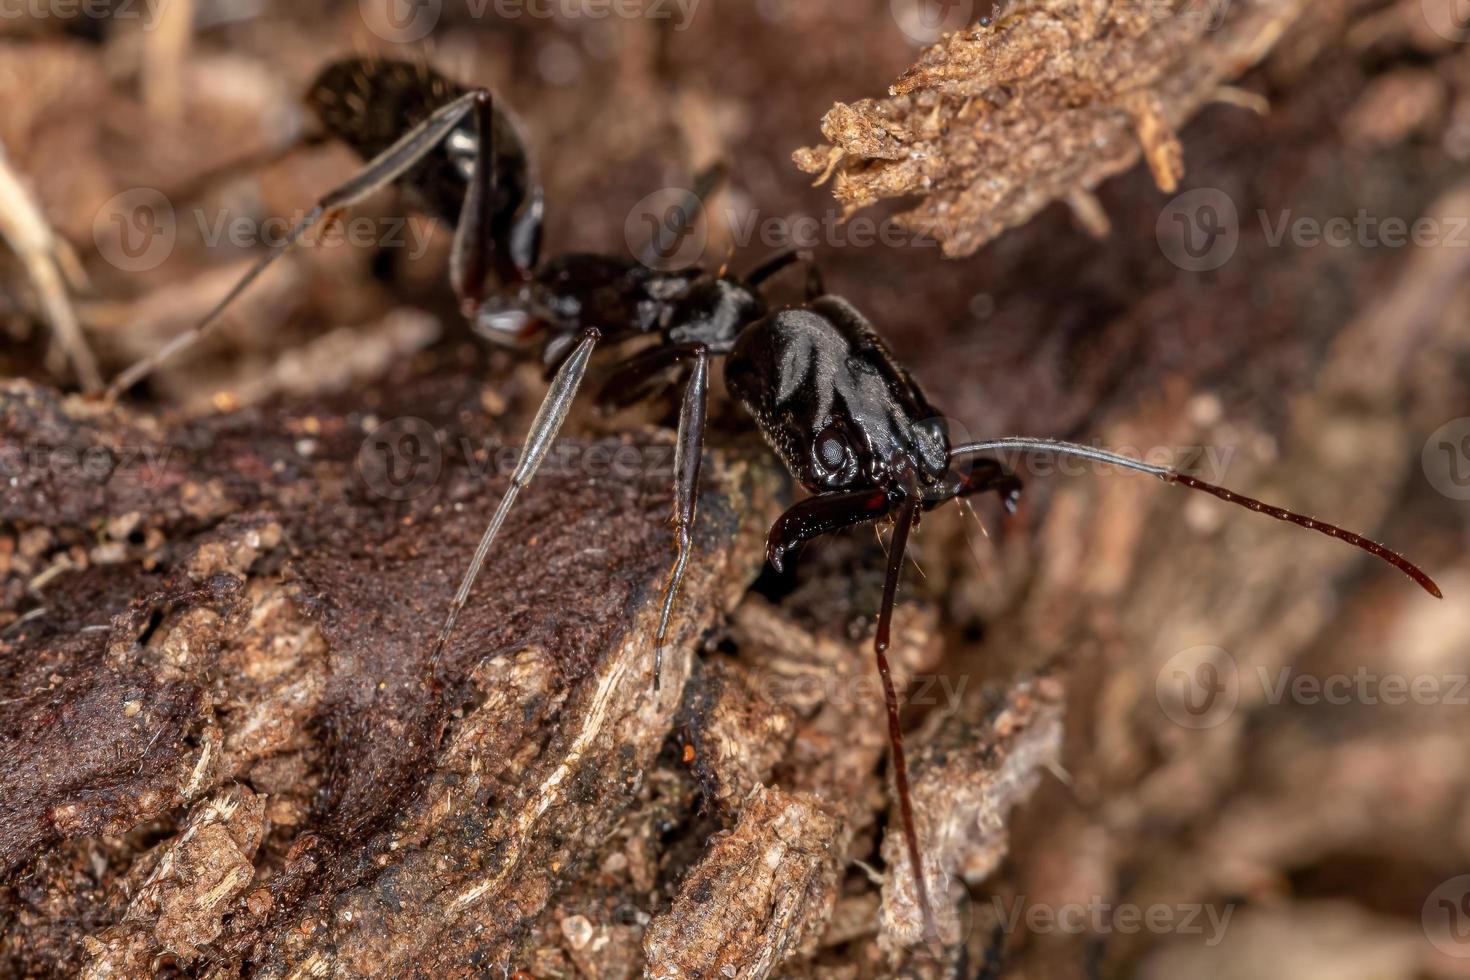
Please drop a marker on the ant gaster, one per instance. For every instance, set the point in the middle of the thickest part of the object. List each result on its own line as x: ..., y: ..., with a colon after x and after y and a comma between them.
x: 844, y: 417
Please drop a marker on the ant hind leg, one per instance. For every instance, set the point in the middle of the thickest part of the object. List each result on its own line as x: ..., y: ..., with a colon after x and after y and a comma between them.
x: 544, y: 428
x: 382, y: 170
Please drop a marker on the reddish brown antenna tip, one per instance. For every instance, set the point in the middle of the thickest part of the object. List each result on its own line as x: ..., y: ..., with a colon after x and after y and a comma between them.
x: 1322, y: 527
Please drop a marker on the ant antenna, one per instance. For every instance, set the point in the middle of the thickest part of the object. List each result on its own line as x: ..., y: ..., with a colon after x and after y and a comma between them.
x: 1059, y: 448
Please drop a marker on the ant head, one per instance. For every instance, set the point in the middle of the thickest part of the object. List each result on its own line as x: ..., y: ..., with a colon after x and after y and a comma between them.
x: 836, y: 408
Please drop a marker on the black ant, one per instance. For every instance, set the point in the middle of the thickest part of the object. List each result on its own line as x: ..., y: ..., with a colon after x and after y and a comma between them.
x: 845, y: 418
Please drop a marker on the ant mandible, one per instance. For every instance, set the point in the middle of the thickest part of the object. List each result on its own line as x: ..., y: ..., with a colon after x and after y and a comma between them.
x: 844, y: 417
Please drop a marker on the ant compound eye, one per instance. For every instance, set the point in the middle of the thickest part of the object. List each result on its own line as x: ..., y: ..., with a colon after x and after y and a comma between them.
x: 833, y: 460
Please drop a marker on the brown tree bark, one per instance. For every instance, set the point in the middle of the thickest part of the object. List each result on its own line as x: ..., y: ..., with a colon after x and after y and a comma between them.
x: 224, y: 752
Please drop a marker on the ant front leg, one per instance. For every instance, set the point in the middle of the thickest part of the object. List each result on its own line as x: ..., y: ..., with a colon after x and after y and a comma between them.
x: 634, y: 378
x: 903, y: 523
x: 548, y: 422
x: 833, y: 511
x: 815, y: 285
x: 379, y: 172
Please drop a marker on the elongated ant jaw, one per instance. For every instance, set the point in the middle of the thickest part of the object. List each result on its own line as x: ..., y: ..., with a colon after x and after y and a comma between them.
x: 823, y: 514
x: 1058, y: 448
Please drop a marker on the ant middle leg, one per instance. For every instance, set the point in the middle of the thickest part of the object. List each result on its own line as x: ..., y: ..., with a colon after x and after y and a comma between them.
x: 628, y: 383
x: 379, y: 172
x: 667, y: 232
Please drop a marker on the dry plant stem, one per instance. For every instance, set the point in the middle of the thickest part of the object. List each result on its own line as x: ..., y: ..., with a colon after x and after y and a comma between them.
x: 165, y: 58
x: 25, y: 229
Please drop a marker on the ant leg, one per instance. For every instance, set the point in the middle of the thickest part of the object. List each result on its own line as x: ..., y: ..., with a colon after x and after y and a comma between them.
x: 632, y: 378
x: 815, y: 286
x: 907, y: 512
x: 669, y: 231
x: 548, y: 421
x: 828, y: 512
x: 469, y: 260
x: 688, y: 453
x: 775, y: 264
x: 638, y: 377
x: 709, y: 180
x: 382, y: 170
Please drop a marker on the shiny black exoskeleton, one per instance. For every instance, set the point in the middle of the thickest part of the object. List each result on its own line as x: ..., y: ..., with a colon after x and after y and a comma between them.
x: 369, y: 103
x: 824, y: 390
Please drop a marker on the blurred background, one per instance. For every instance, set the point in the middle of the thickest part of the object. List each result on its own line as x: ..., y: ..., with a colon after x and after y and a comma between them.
x: 1265, y: 731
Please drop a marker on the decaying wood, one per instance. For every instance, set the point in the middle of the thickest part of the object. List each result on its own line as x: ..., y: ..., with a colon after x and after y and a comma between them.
x: 972, y: 775
x: 759, y: 892
x: 1044, y: 102
x: 192, y: 639
x: 329, y: 803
